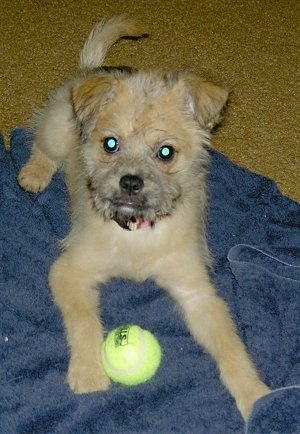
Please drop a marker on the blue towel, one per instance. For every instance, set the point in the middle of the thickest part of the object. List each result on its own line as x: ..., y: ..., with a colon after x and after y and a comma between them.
x: 253, y: 233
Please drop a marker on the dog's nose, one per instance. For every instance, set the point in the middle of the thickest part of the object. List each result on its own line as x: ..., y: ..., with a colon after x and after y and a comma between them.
x: 131, y: 184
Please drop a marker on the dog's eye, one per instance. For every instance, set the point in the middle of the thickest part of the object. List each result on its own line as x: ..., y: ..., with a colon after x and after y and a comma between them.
x: 166, y: 153
x: 110, y: 145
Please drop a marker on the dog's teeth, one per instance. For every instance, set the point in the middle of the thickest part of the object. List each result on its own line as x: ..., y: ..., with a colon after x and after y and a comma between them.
x: 138, y: 223
x: 133, y: 226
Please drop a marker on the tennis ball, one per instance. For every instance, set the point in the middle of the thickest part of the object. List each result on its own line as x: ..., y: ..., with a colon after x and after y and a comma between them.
x: 130, y: 355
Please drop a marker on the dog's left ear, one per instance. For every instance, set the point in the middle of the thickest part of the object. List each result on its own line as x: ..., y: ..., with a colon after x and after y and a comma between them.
x: 205, y: 100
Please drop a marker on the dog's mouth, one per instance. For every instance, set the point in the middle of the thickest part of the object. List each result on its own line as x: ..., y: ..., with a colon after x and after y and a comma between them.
x: 131, y: 215
x: 135, y: 223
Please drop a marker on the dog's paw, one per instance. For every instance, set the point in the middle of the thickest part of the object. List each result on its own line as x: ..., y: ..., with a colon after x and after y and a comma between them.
x: 33, y: 178
x: 245, y: 404
x: 83, y: 379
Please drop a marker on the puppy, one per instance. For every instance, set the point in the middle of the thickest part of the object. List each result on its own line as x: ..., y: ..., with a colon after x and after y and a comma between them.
x: 133, y: 146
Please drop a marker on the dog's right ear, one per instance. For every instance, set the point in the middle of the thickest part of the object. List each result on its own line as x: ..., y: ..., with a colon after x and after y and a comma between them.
x: 89, y: 95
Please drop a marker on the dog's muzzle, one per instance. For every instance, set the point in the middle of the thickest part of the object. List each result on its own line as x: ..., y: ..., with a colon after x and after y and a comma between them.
x: 131, y: 208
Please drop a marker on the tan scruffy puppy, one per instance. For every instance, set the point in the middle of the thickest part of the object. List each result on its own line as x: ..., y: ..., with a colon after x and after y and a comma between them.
x: 133, y: 148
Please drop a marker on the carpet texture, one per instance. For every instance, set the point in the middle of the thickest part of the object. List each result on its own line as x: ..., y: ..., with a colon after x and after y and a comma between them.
x: 250, y: 46
x: 254, y: 237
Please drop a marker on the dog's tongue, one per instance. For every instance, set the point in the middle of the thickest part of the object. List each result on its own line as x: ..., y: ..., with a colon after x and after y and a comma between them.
x: 138, y: 223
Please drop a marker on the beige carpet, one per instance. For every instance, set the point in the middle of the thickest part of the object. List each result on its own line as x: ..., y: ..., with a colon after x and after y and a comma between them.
x: 251, y: 46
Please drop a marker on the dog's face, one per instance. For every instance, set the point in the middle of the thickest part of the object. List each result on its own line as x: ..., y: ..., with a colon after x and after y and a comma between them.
x: 143, y: 137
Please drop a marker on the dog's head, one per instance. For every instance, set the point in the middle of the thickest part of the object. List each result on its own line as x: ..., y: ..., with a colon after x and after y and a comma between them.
x: 143, y: 141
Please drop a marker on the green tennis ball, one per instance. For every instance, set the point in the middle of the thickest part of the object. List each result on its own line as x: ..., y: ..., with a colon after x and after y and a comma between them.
x: 130, y: 355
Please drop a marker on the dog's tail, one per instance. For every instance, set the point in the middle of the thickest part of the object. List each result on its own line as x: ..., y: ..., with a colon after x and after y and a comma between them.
x: 103, y: 36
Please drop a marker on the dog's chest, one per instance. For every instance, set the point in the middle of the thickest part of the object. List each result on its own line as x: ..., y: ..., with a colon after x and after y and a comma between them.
x: 134, y: 255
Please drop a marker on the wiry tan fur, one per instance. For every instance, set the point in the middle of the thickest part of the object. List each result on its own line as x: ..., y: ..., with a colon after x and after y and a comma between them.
x: 144, y: 110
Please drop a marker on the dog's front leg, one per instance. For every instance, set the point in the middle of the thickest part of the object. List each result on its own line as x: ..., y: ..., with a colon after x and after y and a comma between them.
x: 209, y: 321
x: 73, y: 289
